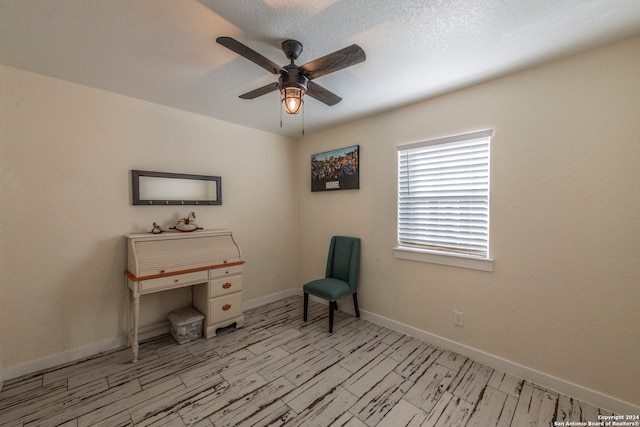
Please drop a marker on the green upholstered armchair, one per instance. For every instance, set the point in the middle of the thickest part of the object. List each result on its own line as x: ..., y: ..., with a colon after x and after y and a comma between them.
x: 341, y: 277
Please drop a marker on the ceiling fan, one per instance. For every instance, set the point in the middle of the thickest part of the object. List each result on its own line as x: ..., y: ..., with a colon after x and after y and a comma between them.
x: 296, y: 80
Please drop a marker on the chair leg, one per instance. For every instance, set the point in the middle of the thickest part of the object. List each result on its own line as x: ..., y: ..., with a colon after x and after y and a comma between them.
x: 335, y: 305
x: 331, y: 316
x: 355, y: 303
x: 306, y: 306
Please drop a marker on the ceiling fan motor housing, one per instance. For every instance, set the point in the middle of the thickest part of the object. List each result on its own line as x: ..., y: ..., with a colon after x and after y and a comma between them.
x: 293, y: 78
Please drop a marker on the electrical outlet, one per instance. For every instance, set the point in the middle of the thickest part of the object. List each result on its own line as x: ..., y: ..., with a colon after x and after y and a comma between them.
x: 458, y: 318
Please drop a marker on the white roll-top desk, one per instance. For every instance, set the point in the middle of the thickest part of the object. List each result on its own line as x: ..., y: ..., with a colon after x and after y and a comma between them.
x: 208, y: 260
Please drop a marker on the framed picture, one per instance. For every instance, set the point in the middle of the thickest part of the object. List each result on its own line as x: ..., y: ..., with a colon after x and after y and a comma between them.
x: 336, y: 169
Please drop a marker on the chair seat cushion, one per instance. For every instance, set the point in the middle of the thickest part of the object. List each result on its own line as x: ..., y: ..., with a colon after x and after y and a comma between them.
x: 330, y: 289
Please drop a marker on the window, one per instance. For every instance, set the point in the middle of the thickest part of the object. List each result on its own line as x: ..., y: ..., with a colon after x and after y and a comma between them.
x: 443, y: 200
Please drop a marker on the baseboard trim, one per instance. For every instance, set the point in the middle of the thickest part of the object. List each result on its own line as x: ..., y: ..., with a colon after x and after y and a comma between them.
x: 145, y: 332
x: 62, y: 358
x: 2, y: 373
x: 541, y: 379
x: 257, y: 302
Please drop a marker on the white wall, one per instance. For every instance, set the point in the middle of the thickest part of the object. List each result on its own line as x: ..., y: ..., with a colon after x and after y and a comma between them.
x: 65, y: 159
x: 565, y: 215
x: 565, y: 220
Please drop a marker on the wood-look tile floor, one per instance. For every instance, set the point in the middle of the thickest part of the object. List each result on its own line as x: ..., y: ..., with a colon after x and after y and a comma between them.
x: 278, y: 370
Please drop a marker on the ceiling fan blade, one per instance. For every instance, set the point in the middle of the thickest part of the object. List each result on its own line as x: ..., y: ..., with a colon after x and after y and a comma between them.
x: 250, y: 54
x: 335, y: 61
x: 260, y: 91
x: 316, y: 91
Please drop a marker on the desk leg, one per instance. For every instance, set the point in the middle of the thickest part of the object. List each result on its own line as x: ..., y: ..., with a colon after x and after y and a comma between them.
x: 133, y: 339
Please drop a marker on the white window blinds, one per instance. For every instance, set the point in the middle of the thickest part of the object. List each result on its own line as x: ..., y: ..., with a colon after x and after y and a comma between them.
x: 443, y: 194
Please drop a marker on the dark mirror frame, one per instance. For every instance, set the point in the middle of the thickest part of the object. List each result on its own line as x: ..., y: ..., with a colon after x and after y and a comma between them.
x: 135, y: 186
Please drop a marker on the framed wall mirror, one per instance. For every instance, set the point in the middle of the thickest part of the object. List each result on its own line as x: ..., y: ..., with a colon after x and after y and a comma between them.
x: 164, y: 188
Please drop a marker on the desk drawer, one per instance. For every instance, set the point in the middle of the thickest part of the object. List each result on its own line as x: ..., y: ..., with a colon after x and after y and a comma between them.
x: 225, y: 307
x: 216, y: 273
x: 225, y: 285
x: 175, y: 281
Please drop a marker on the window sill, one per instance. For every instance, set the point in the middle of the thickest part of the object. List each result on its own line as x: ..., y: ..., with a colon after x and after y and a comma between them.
x: 453, y: 260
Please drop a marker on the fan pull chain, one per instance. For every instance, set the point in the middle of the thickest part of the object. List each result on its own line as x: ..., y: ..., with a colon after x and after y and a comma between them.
x: 303, y: 108
x: 281, y: 107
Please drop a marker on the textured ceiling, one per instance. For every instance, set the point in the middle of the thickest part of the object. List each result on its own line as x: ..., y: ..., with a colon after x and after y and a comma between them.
x: 164, y: 51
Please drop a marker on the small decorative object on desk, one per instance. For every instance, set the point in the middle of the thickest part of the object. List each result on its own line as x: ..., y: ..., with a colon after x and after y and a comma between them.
x: 187, y: 224
x: 156, y: 229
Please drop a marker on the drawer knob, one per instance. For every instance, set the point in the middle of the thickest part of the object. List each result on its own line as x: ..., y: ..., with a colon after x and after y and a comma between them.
x: 226, y: 285
x: 176, y: 280
x: 226, y: 307
x: 162, y: 271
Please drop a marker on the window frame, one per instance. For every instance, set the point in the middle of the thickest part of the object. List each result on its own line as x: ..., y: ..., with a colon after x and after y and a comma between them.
x: 443, y: 257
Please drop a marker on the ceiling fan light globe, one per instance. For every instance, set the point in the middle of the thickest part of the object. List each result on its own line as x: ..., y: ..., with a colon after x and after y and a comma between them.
x: 292, y: 99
